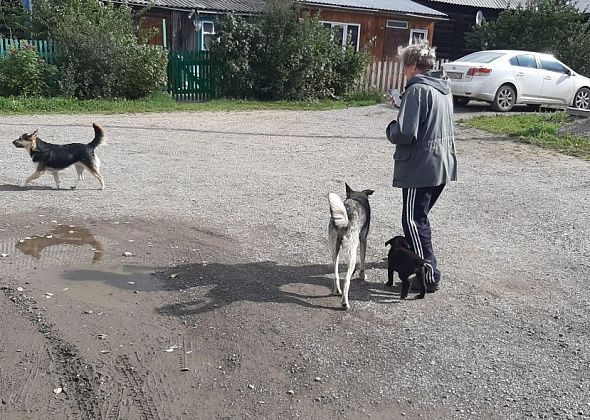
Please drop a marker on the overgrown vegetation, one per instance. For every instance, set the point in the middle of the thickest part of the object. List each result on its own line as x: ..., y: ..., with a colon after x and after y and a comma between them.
x: 551, y: 26
x: 24, y: 73
x: 286, y: 55
x: 541, y: 129
x: 100, y: 54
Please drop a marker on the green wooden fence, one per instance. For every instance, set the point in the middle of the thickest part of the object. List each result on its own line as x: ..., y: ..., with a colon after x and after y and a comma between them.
x: 46, y: 49
x: 189, y: 75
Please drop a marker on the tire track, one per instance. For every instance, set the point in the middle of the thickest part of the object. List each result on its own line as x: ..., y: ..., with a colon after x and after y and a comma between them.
x: 78, y: 378
x: 136, y: 386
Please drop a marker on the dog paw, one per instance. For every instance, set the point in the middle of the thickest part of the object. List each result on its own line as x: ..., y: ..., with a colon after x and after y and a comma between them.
x: 73, y: 187
x: 389, y: 283
x: 337, y: 292
x: 420, y: 296
x: 363, y: 275
x: 345, y: 306
x: 403, y: 296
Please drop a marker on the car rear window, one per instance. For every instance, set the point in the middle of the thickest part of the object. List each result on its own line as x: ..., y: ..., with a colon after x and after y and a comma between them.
x: 480, y: 57
x: 525, y: 60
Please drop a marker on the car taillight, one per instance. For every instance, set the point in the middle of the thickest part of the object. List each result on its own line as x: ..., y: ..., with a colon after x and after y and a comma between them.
x: 478, y: 71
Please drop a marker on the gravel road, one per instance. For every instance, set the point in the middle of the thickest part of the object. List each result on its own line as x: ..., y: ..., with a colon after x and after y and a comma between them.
x: 222, y: 306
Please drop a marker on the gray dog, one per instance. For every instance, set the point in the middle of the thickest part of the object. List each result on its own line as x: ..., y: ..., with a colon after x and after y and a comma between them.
x: 349, y: 227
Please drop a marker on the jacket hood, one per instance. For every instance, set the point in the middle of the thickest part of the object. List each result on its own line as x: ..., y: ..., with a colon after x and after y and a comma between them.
x: 434, y: 78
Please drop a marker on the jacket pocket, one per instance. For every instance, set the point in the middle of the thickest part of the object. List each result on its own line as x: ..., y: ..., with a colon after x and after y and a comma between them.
x: 402, y: 153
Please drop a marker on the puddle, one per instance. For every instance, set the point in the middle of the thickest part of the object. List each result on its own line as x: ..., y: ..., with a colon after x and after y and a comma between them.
x: 40, y: 247
x: 129, y: 277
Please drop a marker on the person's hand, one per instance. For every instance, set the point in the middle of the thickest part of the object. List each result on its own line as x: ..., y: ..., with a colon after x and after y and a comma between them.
x: 395, y: 98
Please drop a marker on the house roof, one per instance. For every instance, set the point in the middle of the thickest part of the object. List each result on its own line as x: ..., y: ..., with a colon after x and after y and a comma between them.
x: 257, y: 6
x: 237, y: 6
x: 393, y: 6
x: 501, y: 4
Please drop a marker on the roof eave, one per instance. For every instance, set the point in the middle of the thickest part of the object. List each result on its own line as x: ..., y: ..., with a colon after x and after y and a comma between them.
x: 367, y: 10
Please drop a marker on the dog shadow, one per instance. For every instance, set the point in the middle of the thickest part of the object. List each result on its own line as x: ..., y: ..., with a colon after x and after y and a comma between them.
x: 18, y: 188
x: 309, y: 286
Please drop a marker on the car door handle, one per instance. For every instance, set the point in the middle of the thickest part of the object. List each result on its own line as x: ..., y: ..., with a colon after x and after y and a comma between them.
x: 547, y: 77
x: 520, y: 74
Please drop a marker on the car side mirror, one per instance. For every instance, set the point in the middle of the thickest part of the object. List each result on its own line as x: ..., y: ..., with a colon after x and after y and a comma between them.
x: 568, y: 72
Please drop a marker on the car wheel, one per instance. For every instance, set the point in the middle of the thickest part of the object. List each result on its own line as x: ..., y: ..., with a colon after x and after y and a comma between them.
x: 505, y: 99
x: 582, y: 99
x: 460, y: 100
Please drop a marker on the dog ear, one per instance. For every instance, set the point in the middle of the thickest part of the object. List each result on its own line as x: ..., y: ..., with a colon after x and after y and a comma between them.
x: 389, y: 242
x: 368, y: 192
x: 348, y: 190
x: 33, y: 138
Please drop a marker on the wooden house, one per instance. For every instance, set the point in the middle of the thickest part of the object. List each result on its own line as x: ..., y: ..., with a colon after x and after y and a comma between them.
x: 384, y: 24
x: 189, y: 25
x: 450, y: 37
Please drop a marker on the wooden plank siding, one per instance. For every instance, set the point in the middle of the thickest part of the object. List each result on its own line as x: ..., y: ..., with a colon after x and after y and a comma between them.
x: 373, y: 28
x: 450, y: 36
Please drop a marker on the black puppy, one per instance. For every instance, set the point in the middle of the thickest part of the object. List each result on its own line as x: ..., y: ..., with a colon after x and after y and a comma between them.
x: 402, y: 259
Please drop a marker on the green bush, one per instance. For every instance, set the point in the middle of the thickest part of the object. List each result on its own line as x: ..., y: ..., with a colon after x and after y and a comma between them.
x: 24, y: 73
x: 231, y: 56
x: 99, y: 52
x: 287, y: 55
x: 551, y: 26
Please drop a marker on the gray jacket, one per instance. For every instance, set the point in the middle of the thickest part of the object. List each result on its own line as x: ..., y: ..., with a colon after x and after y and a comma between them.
x: 423, y: 134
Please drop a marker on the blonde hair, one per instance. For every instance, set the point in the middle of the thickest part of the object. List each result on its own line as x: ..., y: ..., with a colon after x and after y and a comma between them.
x: 418, y: 54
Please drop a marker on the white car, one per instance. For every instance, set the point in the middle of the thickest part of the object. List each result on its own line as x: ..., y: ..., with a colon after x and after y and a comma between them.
x: 505, y: 78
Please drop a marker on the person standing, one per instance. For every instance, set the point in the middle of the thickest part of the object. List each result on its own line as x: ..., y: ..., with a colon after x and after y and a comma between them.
x: 424, y: 159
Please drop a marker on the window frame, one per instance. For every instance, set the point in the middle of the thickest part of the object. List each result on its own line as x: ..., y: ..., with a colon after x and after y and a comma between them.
x: 203, y: 33
x: 404, y: 22
x: 418, y: 31
x: 345, y: 26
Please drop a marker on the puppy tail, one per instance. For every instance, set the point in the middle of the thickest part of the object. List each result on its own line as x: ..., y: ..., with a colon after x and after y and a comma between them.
x: 338, y: 211
x: 98, y: 136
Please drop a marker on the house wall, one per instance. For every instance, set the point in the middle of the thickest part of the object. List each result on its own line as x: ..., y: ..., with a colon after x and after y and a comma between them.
x: 373, y: 28
x: 450, y: 37
x: 180, y: 30
x: 156, y: 23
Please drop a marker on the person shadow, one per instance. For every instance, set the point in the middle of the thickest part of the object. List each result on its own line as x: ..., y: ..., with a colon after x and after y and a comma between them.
x: 309, y: 286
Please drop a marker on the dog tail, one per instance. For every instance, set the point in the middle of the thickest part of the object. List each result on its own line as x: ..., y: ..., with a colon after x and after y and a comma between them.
x: 338, y: 211
x: 98, y: 136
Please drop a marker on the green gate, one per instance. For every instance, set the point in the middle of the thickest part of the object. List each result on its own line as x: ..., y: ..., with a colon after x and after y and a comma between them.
x: 189, y: 75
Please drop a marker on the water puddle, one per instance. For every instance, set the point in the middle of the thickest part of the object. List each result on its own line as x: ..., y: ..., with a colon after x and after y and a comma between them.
x: 50, y: 245
x: 130, y: 277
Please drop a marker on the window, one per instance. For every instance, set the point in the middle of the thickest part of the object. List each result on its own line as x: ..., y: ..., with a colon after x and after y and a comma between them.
x: 397, y: 24
x: 418, y: 35
x: 207, y: 32
x: 526, y: 60
x: 339, y: 30
x: 552, y: 65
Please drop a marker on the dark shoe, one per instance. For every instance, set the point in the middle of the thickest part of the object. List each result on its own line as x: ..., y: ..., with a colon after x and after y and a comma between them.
x: 431, y: 288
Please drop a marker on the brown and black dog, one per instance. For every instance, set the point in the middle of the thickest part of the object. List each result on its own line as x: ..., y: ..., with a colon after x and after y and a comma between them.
x: 56, y: 157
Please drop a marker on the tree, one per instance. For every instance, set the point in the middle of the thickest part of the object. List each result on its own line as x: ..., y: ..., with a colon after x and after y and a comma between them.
x: 14, y: 18
x: 551, y: 26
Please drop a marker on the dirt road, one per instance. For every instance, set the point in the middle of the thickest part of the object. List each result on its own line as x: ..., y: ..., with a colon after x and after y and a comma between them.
x: 197, y: 285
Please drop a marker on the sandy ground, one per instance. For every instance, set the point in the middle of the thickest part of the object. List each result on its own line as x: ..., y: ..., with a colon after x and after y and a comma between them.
x: 222, y: 306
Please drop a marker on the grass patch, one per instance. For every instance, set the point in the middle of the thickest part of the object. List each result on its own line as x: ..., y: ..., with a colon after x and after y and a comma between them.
x: 162, y: 103
x: 540, y: 129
